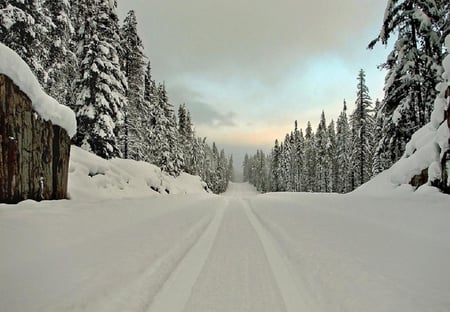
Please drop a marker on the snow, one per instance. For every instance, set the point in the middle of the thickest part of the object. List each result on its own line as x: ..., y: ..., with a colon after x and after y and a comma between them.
x: 428, y: 144
x: 242, y: 251
x: 92, y: 177
x: 48, y: 108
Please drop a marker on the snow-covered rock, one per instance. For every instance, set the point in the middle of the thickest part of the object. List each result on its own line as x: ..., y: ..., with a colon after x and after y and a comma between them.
x: 47, y: 107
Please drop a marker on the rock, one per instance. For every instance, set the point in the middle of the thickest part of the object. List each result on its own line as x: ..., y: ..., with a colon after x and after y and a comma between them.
x: 34, y: 153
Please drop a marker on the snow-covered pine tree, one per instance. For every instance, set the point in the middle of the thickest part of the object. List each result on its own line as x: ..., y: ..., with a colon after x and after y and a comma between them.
x: 378, y: 165
x: 150, y: 107
x: 413, y: 69
x: 286, y: 164
x: 165, y: 151
x: 362, y: 127
x: 321, y: 141
x: 133, y: 62
x: 332, y: 161
x: 343, y: 151
x: 275, y: 168
x: 101, y: 85
x: 292, y: 161
x: 309, y: 169
x: 23, y: 26
x: 187, y: 138
x: 60, y: 62
x: 222, y: 172
x: 298, y: 158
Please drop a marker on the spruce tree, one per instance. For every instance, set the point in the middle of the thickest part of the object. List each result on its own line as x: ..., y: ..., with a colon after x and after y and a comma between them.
x: 165, y: 151
x: 60, y: 60
x: 413, y: 69
x: 101, y: 84
x: 23, y: 27
x: 332, y: 161
x: 133, y: 62
x: 187, y: 137
x: 321, y: 141
x: 309, y: 169
x: 362, y: 127
x: 275, y: 168
x: 343, y: 152
x: 378, y: 149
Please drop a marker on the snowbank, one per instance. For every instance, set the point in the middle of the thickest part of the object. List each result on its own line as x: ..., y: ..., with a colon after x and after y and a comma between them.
x: 427, y: 145
x: 47, y: 107
x: 93, y: 177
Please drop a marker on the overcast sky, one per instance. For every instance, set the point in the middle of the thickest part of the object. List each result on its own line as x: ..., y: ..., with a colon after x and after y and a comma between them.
x: 247, y: 69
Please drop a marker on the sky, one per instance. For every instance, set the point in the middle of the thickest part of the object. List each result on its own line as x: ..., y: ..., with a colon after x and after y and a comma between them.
x: 248, y: 69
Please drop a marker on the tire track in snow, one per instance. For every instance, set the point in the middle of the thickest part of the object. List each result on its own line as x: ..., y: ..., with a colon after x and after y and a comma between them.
x: 280, y: 266
x: 176, y: 291
x: 138, y: 294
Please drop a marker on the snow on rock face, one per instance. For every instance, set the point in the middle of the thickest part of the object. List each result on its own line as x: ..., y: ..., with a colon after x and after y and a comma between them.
x: 428, y: 144
x: 47, y: 107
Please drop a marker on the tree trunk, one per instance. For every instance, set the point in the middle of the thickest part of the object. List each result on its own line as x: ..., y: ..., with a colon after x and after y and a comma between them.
x: 34, y: 153
x: 445, y: 161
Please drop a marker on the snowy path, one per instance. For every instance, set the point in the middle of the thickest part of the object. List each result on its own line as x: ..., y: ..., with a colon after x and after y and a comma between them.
x: 237, y: 252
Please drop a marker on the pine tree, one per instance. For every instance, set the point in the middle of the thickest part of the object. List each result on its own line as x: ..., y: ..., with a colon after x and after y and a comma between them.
x: 165, y: 151
x: 285, y: 164
x: 187, y: 137
x: 151, y: 102
x: 378, y: 150
x: 362, y: 126
x: 343, y: 151
x: 297, y: 163
x: 332, y: 161
x: 309, y: 169
x: 321, y: 141
x: 413, y: 69
x: 133, y: 132
x: 101, y: 85
x: 23, y: 26
x: 60, y: 61
x: 275, y: 168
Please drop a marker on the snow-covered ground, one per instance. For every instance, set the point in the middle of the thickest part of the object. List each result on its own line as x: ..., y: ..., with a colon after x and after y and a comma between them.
x: 238, y: 252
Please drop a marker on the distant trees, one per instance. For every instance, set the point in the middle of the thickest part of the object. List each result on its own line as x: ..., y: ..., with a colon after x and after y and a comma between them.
x: 375, y: 137
x: 85, y: 59
x: 336, y: 158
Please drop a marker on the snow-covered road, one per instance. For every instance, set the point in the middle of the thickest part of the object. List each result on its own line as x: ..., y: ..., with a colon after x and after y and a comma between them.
x: 237, y: 252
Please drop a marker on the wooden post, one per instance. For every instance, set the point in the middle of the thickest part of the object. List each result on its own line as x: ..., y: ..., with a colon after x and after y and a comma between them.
x: 34, y: 153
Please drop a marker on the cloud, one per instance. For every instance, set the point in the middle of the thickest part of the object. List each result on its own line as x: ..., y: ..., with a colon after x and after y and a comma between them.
x: 205, y: 114
x: 202, y: 113
x: 253, y: 37
x: 247, y: 69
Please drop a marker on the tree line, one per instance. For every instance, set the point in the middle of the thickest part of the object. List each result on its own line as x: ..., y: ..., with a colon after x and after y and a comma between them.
x: 335, y: 158
x: 85, y: 58
x: 339, y: 158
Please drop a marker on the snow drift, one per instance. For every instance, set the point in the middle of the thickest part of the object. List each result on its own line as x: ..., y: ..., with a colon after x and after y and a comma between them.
x: 96, y: 178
